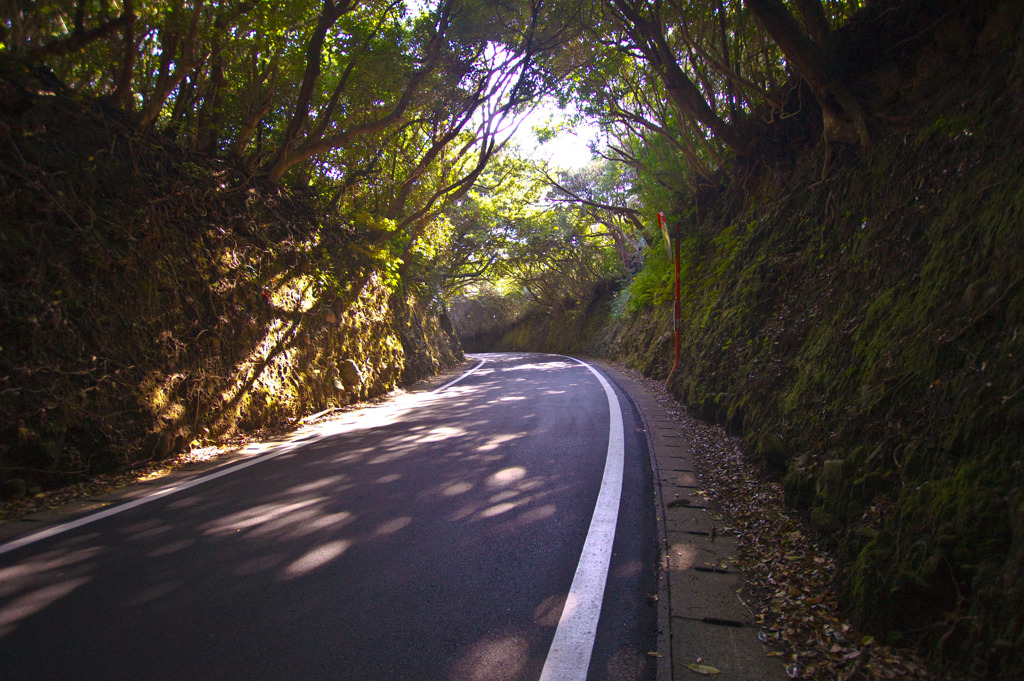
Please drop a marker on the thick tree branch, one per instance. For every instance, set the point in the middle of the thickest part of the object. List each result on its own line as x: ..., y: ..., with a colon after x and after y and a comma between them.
x: 290, y: 153
x: 650, y: 40
x: 80, y: 37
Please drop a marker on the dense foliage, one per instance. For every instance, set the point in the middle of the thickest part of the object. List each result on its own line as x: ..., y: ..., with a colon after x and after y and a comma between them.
x: 338, y: 174
x: 387, y: 113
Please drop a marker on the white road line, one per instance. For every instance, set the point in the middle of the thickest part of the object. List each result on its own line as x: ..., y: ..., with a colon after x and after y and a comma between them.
x: 569, y: 656
x: 283, y: 448
x: 465, y: 375
x: 159, y: 494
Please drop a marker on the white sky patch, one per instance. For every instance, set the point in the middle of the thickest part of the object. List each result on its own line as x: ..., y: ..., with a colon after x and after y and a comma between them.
x: 569, y: 149
x: 417, y: 7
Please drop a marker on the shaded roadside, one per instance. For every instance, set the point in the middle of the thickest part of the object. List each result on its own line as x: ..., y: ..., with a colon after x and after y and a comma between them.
x: 747, y: 589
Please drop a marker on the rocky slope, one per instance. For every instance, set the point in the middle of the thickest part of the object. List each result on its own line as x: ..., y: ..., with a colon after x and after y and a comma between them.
x: 150, y: 298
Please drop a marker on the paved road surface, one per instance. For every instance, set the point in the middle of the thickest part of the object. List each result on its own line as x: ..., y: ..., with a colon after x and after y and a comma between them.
x: 435, y: 537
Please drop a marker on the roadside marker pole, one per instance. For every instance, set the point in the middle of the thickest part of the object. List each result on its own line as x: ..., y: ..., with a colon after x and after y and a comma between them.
x: 673, y: 239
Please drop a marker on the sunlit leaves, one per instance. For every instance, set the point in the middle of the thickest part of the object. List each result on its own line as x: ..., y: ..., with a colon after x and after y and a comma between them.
x: 434, y: 235
x: 395, y: 109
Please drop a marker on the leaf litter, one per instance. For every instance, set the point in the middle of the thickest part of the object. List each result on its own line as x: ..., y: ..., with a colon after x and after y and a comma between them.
x: 791, y: 576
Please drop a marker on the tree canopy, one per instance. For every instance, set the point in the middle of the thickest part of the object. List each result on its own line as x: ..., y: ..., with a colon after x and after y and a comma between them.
x: 397, y: 115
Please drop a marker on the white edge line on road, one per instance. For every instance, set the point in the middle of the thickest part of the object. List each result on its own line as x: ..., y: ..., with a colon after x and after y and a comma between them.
x: 159, y: 494
x: 465, y: 375
x: 283, y: 448
x: 569, y: 656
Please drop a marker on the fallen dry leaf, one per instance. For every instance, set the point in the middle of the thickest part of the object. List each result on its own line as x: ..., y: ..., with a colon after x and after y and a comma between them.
x: 704, y: 669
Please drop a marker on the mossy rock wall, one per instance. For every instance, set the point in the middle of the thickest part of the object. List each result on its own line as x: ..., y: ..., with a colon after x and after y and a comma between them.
x: 865, y: 334
x: 570, y: 330
x: 149, y: 298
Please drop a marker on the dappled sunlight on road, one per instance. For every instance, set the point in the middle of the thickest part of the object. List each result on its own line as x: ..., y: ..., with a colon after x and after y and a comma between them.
x: 339, y: 501
x: 260, y: 564
x: 326, y: 481
x: 145, y: 530
x: 388, y: 457
x: 441, y: 434
x: 33, y: 585
x: 456, y: 488
x: 497, y: 658
x: 506, y: 476
x: 154, y: 593
x: 252, y: 519
x: 498, y: 509
x: 549, y: 611
x: 315, y: 558
x: 36, y: 600
x: 392, y: 526
x: 167, y: 549
x: 551, y: 365
x: 506, y: 656
x: 497, y: 441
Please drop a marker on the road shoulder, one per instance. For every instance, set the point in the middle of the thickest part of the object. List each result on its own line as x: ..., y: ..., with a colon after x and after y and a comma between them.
x: 170, y: 475
x: 703, y: 623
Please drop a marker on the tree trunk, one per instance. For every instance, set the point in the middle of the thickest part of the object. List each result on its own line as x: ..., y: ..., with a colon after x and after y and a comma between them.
x: 123, y: 88
x: 167, y: 80
x: 730, y: 69
x: 210, y: 116
x: 259, y: 99
x: 840, y: 108
x: 288, y: 157
x: 816, y: 22
x: 686, y: 97
x: 314, y: 54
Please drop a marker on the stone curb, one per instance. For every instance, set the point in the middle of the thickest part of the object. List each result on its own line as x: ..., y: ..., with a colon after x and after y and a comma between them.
x: 702, y: 619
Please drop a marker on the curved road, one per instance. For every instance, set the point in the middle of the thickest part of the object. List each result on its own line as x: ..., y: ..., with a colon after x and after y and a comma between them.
x: 438, y: 536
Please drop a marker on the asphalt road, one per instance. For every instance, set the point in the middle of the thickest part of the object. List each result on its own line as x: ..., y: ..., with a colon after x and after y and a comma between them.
x: 435, y: 537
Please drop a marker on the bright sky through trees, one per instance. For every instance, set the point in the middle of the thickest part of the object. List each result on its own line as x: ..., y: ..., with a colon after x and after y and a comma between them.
x: 569, y: 148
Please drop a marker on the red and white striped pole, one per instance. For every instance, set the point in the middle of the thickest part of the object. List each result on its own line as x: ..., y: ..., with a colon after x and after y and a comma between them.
x: 674, y: 238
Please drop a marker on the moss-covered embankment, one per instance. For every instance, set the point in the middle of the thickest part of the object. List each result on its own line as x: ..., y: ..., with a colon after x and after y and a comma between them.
x: 865, y: 334
x: 149, y: 298
x: 570, y: 330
